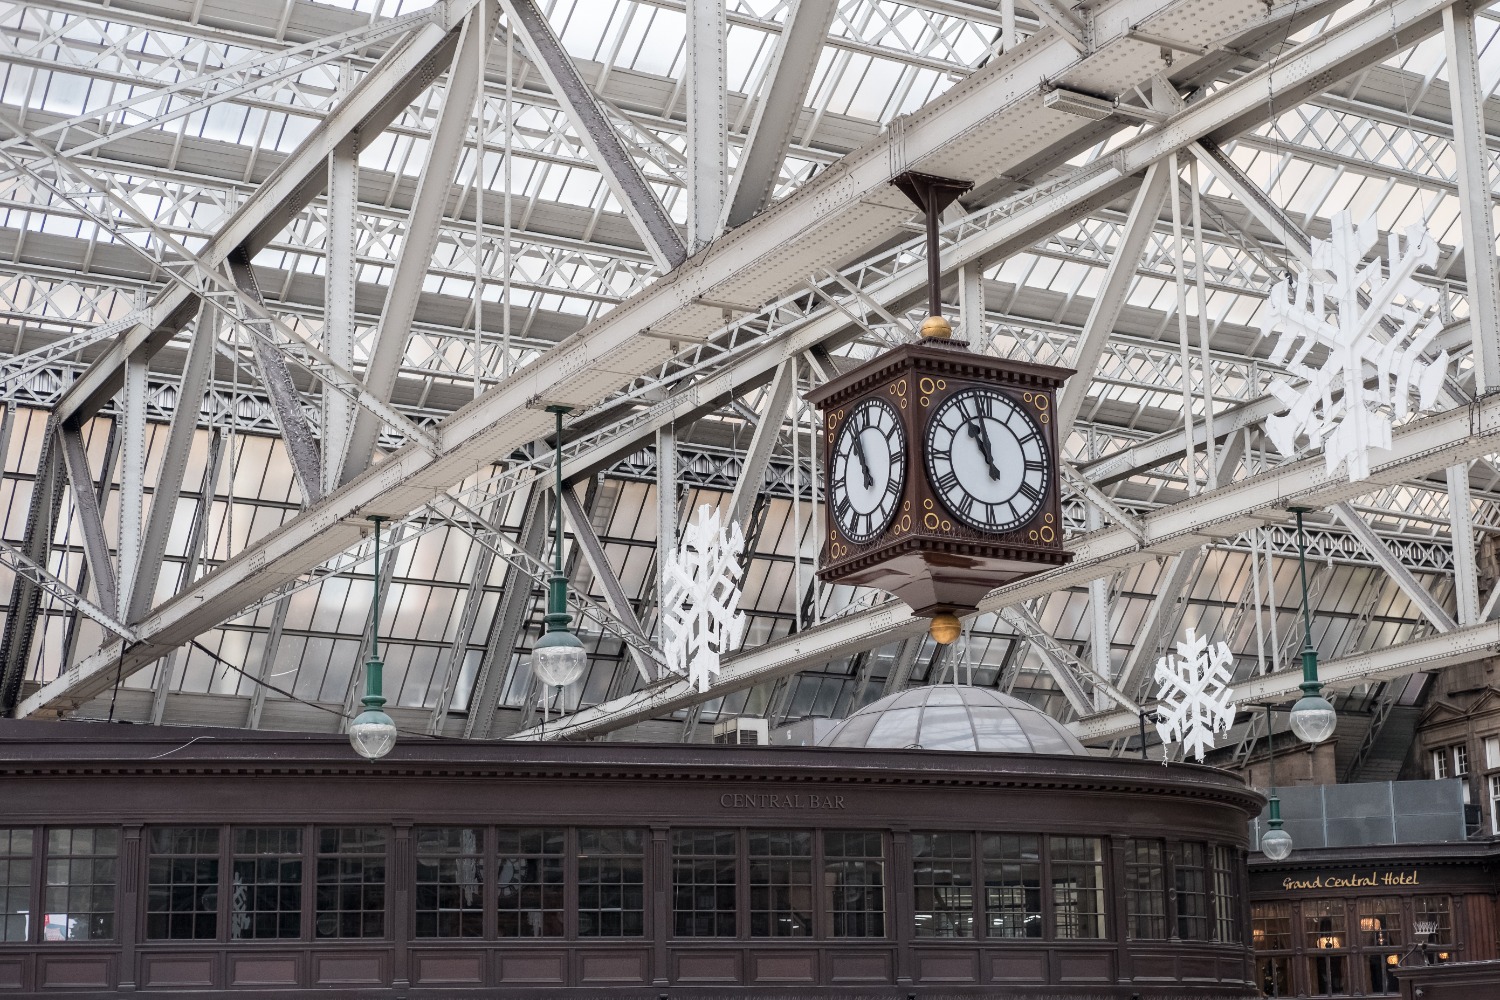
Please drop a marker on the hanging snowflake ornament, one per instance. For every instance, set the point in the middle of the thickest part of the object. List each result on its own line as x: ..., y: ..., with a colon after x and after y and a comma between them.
x: 1371, y: 330
x: 700, y: 615
x: 1195, y: 699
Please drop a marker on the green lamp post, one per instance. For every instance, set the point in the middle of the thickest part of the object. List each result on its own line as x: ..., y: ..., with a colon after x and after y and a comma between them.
x: 1277, y: 843
x: 558, y: 658
x: 373, y: 733
x: 1313, y: 717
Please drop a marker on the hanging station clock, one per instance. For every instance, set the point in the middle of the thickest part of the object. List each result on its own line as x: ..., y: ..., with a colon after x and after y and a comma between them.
x: 941, y: 465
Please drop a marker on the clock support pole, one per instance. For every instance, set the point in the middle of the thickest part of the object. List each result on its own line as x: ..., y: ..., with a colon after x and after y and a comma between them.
x: 932, y: 195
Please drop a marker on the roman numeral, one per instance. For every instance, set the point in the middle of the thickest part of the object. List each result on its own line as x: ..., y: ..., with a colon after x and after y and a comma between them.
x: 966, y: 505
x: 842, y: 506
x: 1030, y: 492
x: 947, y: 481
x: 985, y: 405
x: 1035, y: 465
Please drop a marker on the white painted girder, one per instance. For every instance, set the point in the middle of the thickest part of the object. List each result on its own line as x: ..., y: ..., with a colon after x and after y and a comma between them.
x: 977, y: 129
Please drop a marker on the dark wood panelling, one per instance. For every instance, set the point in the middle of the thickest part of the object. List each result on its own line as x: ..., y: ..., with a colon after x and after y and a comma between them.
x: 178, y: 970
x: 613, y: 967
x: 350, y: 970
x: 696, y: 967
x: 1018, y: 967
x: 784, y: 967
x: 455, y: 968
x: 859, y: 967
x: 75, y: 971
x: 113, y: 775
x: 533, y: 967
x: 1085, y: 967
x: 946, y: 966
x: 264, y: 970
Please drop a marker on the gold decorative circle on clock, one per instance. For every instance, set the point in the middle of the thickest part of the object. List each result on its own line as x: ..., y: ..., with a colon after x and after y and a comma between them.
x: 987, y: 460
x: 867, y: 470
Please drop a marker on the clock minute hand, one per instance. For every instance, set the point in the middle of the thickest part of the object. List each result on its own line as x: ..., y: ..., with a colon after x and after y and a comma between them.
x: 864, y: 461
x: 978, y: 433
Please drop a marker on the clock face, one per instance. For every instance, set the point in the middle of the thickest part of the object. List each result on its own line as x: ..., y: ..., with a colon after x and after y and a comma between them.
x: 987, y: 460
x: 868, y: 470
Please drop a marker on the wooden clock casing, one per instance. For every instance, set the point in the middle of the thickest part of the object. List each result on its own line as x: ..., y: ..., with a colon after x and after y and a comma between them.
x: 926, y: 556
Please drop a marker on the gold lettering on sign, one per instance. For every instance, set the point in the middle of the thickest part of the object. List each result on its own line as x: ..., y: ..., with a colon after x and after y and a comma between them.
x: 780, y: 800
x: 1352, y: 880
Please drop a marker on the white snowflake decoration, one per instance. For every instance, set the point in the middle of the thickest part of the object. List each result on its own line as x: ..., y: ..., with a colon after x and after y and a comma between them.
x: 1195, y: 699
x: 1376, y: 373
x: 701, y: 620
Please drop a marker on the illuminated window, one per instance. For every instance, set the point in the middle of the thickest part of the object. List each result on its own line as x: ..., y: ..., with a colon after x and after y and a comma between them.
x: 1271, y: 931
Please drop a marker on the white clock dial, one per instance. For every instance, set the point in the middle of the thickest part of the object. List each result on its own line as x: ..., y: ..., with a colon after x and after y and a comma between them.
x: 987, y: 459
x: 868, y: 471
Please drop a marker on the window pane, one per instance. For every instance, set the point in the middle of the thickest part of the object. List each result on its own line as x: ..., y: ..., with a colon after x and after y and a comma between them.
x: 1078, y: 886
x: 80, y: 892
x: 1323, y: 924
x: 350, y: 901
x: 182, y: 883
x: 1189, y: 862
x: 1226, y: 897
x: 703, y: 882
x: 1145, y: 889
x: 266, y: 895
x: 529, y: 883
x: 450, y: 882
x: 943, y: 883
x: 1434, y: 918
x: 15, y: 884
x: 611, y: 883
x: 781, y: 884
x: 1013, y: 885
x: 1271, y: 926
x: 854, y: 883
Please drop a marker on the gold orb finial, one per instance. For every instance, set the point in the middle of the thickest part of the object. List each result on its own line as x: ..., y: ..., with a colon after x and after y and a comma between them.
x: 944, y: 629
x: 936, y: 328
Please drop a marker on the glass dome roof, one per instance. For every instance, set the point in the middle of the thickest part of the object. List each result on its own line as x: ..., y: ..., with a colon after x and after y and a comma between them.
x: 948, y: 717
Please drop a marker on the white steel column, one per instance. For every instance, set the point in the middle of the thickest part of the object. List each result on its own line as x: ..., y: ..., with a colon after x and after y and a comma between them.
x: 706, y: 119
x: 1465, y: 566
x: 132, y: 478
x: 971, y: 306
x: 666, y: 506
x: 338, y: 300
x: 1471, y: 160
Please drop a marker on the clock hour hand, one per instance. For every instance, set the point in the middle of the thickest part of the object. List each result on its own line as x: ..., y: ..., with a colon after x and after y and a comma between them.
x: 978, y: 433
x: 864, y: 460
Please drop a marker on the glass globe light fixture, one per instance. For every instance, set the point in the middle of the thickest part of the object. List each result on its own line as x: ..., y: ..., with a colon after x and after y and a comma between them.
x: 1313, y: 717
x: 1276, y: 844
x: 372, y: 734
x: 558, y: 658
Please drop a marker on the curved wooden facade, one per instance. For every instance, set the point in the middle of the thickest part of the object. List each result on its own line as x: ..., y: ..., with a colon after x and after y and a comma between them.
x: 173, y: 862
